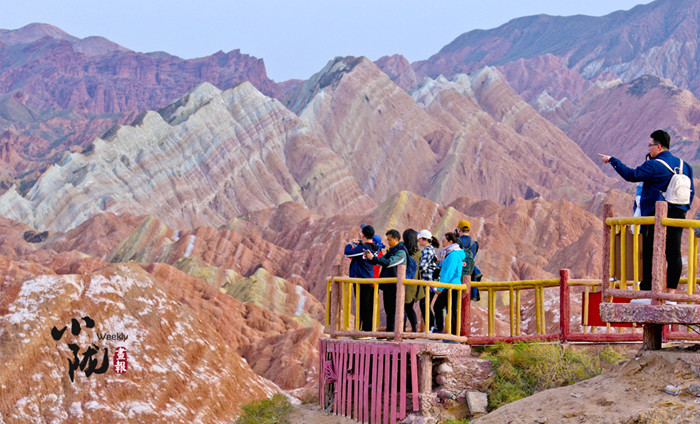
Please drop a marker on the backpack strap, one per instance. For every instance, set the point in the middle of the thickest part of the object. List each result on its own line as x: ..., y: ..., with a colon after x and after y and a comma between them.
x: 671, y: 169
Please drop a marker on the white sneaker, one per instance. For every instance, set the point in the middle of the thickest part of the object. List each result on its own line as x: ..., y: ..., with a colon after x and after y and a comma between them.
x: 643, y: 301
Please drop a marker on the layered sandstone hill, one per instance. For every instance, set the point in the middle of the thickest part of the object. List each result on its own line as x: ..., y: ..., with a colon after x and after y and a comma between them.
x: 659, y: 38
x: 203, y: 160
x: 497, y: 140
x: 59, y: 92
x: 178, y: 366
x: 380, y: 132
x: 399, y: 70
x: 545, y: 75
x: 269, y: 307
x: 104, y: 77
x: 447, y: 140
x: 600, y: 125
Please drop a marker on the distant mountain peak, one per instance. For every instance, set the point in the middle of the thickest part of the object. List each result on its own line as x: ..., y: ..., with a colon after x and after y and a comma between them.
x: 34, y: 32
x: 97, y: 46
x: 659, y: 38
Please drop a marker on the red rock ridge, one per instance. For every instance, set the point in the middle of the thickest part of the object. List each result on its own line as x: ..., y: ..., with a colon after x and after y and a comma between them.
x: 399, y: 70
x: 179, y: 363
x: 643, y: 40
x: 618, y: 120
x: 99, y: 84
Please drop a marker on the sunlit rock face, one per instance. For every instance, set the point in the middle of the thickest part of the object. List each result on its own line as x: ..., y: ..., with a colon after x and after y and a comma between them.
x: 379, y: 131
x: 203, y: 160
x: 178, y: 365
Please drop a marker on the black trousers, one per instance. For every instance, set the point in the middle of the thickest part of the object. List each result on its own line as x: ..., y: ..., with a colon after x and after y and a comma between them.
x: 366, y: 301
x: 410, y: 314
x: 441, y: 308
x: 421, y: 302
x: 673, y: 251
x: 389, y: 305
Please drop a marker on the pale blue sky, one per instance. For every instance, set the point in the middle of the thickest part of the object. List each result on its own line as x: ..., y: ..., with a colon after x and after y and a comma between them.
x: 295, y: 37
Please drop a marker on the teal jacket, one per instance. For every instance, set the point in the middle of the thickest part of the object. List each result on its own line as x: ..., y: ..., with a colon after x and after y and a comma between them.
x: 451, y: 271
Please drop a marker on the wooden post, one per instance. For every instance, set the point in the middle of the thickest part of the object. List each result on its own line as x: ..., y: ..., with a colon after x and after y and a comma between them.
x: 425, y: 383
x: 465, y: 329
x: 335, y: 302
x: 658, y: 262
x: 653, y: 333
x: 564, y: 306
x: 400, y: 299
x: 608, y: 212
x: 652, y: 336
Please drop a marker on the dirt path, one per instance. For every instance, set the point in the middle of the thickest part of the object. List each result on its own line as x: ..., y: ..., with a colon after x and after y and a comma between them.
x: 630, y: 394
x: 312, y: 414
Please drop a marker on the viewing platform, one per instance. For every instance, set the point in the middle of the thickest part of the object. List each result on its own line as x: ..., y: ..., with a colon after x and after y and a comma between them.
x: 384, y: 376
x: 663, y: 308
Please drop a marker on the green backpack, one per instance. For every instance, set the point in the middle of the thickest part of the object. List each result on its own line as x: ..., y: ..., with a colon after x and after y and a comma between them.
x: 469, y: 247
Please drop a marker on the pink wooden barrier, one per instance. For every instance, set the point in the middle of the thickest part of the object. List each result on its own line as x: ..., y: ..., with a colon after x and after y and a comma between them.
x: 369, y: 382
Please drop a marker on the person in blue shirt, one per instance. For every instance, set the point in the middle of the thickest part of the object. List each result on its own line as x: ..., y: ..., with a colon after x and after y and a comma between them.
x: 656, y: 177
x: 361, y: 268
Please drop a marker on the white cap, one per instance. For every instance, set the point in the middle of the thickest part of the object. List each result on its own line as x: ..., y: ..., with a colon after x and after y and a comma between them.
x: 425, y: 234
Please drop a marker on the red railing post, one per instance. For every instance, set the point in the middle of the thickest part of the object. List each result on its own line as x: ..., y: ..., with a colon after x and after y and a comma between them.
x: 465, y: 329
x: 564, y: 306
x: 653, y: 333
x: 658, y: 262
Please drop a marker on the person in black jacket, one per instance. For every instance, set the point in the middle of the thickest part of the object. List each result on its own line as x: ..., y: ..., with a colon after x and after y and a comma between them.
x: 361, y: 268
x: 395, y: 256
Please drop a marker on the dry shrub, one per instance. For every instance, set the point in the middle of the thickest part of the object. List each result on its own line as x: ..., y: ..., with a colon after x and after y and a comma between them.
x: 522, y: 369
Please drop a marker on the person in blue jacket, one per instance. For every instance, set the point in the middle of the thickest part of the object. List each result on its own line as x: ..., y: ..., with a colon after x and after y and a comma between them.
x: 656, y: 177
x: 451, y: 273
x: 361, y: 268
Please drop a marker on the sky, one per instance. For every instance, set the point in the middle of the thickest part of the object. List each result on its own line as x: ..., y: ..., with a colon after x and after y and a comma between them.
x: 295, y: 38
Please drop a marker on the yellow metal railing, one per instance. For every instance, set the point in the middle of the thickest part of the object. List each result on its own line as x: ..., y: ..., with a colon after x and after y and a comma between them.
x: 514, y: 289
x: 620, y: 226
x: 346, y: 286
x: 492, y: 288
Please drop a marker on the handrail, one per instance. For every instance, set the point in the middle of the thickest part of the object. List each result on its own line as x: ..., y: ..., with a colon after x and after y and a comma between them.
x: 345, y: 288
x: 491, y: 287
x: 618, y: 225
x: 653, y: 331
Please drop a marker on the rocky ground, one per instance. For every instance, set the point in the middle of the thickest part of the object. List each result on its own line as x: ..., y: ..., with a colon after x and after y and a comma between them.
x: 631, y: 393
